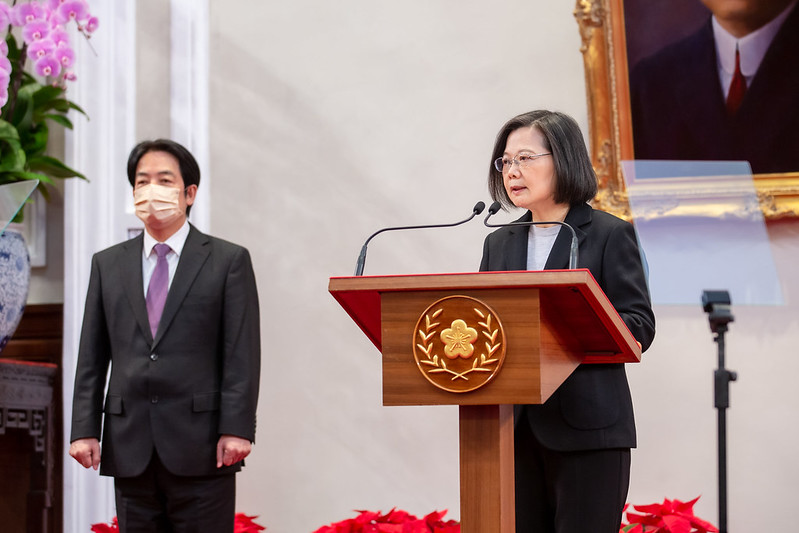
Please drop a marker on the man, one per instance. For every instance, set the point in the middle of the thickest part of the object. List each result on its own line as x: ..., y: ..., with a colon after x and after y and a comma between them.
x: 175, y: 314
x: 726, y: 92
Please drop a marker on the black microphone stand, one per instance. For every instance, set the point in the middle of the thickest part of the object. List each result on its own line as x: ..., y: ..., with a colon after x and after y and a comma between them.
x: 496, y: 206
x: 359, y: 265
x: 717, y: 305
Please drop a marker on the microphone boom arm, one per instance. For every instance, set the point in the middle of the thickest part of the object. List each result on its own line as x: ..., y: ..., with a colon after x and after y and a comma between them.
x: 359, y: 266
x: 573, y: 249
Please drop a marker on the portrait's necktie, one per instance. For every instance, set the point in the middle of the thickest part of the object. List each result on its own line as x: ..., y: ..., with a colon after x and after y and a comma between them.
x: 158, y: 288
x: 737, y: 87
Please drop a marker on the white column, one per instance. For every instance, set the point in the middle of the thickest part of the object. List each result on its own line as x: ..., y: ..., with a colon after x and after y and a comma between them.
x: 189, y: 98
x: 95, y: 213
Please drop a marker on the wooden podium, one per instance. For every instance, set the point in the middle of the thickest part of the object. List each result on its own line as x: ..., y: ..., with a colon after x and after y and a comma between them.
x: 484, y: 341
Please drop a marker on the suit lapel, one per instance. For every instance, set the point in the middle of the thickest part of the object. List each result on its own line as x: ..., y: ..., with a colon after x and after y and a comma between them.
x: 133, y: 281
x: 578, y: 216
x: 195, y: 252
x: 773, y: 92
x: 699, y: 86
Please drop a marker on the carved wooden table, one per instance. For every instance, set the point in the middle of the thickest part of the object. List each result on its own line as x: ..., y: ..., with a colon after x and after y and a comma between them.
x: 26, y: 405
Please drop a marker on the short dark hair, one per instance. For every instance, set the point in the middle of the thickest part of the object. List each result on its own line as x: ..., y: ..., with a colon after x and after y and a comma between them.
x: 575, y: 180
x: 189, y: 169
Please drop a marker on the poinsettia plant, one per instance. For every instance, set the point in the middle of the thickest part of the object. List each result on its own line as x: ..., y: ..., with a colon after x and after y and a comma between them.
x: 241, y: 524
x: 395, y: 521
x: 671, y: 516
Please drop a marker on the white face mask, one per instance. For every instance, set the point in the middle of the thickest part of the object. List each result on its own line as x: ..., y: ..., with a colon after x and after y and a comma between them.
x: 157, y: 203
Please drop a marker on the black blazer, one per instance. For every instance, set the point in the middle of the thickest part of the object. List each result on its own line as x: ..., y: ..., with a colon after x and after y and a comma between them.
x: 177, y: 393
x: 593, y: 408
x: 678, y: 107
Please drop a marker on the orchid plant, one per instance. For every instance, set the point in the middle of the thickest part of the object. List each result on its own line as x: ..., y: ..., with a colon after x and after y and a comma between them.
x: 33, y: 81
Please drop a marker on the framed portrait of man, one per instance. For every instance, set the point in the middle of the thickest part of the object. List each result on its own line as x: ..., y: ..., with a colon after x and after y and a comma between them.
x: 694, y: 80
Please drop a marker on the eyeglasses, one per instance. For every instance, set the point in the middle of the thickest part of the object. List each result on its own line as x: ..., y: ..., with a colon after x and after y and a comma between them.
x: 503, y: 164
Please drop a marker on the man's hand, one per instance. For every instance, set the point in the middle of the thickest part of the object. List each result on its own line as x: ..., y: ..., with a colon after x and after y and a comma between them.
x: 86, y: 452
x: 231, y: 449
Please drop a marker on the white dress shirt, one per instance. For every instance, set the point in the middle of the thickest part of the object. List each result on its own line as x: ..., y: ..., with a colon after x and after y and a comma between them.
x: 752, y: 47
x: 540, y: 240
x: 150, y: 258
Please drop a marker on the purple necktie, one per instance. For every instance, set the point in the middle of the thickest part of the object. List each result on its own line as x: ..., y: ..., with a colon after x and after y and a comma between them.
x: 158, y: 288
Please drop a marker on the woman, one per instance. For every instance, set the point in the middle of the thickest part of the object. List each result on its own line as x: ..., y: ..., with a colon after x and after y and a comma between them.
x: 573, y: 452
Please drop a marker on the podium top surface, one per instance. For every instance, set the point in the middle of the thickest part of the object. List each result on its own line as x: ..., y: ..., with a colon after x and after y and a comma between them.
x: 360, y: 297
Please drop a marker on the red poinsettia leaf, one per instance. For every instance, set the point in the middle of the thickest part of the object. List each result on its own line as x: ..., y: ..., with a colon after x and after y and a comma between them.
x: 677, y: 524
x: 702, y: 525
x: 685, y: 507
x: 246, y: 524
x: 389, y: 528
x: 435, y: 516
x: 652, y: 508
x: 647, y: 520
x: 106, y: 528
x: 366, y: 517
x: 396, y: 516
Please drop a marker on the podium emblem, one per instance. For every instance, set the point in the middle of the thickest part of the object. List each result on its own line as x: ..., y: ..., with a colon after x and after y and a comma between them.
x: 459, y: 344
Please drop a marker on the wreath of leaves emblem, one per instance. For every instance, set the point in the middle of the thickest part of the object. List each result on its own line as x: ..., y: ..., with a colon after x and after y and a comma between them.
x: 481, y: 363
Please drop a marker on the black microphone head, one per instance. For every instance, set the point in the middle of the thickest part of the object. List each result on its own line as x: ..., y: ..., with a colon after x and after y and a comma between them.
x: 495, y: 207
x: 478, y: 208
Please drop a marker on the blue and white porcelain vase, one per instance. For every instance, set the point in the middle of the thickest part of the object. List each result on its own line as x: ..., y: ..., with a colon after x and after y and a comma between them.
x: 15, y: 278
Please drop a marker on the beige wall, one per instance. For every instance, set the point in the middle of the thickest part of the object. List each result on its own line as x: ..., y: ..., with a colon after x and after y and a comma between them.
x: 329, y: 120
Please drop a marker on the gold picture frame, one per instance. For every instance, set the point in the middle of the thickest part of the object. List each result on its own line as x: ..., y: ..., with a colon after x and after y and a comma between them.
x: 604, y: 49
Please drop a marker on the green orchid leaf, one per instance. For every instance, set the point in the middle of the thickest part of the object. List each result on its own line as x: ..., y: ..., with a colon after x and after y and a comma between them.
x: 13, y: 160
x: 22, y: 116
x: 59, y: 119
x: 76, y: 107
x: 53, y: 167
x: 47, y: 93
x: 8, y: 132
x: 24, y: 175
x: 34, y: 141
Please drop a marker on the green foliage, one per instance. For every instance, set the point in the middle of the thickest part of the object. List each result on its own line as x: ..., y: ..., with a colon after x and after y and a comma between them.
x: 25, y: 126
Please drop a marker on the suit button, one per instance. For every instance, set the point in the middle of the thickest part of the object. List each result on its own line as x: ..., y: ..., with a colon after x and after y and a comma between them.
x: 154, y: 399
x: 153, y: 357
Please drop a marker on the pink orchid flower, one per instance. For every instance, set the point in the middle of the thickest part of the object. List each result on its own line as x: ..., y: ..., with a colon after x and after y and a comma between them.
x: 41, y: 48
x: 48, y: 66
x: 64, y: 55
x: 35, y: 31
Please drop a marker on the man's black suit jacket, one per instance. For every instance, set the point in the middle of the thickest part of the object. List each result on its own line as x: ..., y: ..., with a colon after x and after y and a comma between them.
x: 177, y: 393
x: 678, y: 108
x: 593, y: 408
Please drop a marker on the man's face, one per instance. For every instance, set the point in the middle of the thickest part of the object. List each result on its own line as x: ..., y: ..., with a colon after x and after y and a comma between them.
x: 745, y: 15
x: 162, y: 168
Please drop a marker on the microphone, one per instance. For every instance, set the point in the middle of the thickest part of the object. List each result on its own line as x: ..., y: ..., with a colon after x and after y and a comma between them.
x: 476, y: 210
x: 572, y: 251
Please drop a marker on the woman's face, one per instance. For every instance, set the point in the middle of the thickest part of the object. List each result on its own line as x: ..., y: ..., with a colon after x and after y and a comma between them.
x: 531, y: 184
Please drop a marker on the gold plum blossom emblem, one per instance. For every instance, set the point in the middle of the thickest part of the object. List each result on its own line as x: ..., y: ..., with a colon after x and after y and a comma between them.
x: 459, y: 340
x: 453, y: 358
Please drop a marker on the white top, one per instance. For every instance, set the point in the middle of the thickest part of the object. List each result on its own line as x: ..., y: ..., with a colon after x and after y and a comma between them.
x: 539, y: 244
x: 150, y: 258
x: 752, y: 47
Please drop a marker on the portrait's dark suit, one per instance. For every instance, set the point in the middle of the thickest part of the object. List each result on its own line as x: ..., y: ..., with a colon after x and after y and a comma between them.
x: 678, y: 106
x: 592, y: 409
x: 195, y: 381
